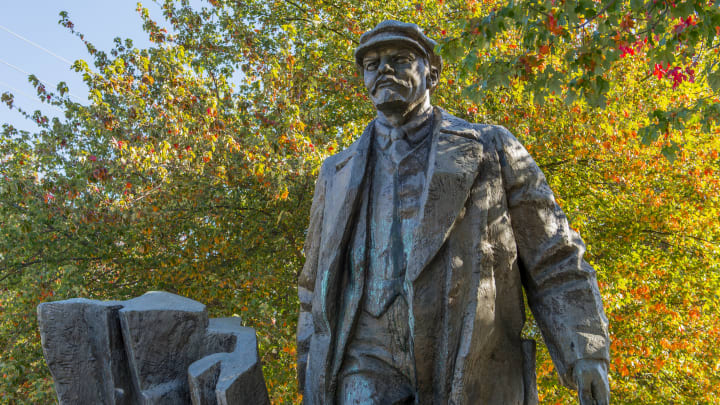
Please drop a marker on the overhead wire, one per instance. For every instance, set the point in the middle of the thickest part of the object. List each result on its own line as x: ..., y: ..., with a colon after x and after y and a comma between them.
x: 11, y: 32
x: 29, y: 74
x: 26, y: 95
x: 15, y: 67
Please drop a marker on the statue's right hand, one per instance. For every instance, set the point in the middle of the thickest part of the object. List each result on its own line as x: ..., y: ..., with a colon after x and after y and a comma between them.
x: 592, y: 382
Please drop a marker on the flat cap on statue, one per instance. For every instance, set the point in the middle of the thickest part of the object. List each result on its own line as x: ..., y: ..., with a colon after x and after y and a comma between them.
x: 393, y: 32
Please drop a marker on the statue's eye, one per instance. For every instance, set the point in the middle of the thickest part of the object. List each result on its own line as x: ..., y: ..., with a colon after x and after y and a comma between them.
x: 371, y: 65
x: 404, y: 58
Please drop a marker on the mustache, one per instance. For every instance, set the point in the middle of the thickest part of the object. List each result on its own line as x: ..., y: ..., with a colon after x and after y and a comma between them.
x: 388, y: 80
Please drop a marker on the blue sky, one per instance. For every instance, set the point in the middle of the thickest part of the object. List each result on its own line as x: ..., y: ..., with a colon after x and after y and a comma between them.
x: 37, y: 21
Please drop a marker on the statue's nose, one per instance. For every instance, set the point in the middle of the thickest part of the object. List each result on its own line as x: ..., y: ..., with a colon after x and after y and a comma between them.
x: 385, y: 67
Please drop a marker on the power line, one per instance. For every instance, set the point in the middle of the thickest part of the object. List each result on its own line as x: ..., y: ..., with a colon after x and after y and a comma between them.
x: 36, y: 45
x: 15, y: 67
x: 35, y: 99
x: 29, y: 74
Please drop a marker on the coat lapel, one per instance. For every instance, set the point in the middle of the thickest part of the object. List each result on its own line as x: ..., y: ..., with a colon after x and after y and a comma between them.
x: 340, y: 206
x: 455, y: 156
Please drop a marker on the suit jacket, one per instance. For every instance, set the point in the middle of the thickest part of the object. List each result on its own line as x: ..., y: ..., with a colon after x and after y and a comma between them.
x: 489, y: 226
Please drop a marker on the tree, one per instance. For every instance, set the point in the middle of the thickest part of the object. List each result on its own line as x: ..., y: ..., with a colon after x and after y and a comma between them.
x: 191, y: 167
x: 570, y: 49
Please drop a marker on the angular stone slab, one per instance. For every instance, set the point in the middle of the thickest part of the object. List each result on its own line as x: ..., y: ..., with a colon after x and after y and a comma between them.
x: 139, y: 351
x: 221, y: 335
x: 163, y: 334
x: 83, y: 348
x: 234, y: 377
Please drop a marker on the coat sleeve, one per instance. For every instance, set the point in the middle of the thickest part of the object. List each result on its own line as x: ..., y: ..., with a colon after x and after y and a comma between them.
x: 561, y: 287
x: 306, y: 279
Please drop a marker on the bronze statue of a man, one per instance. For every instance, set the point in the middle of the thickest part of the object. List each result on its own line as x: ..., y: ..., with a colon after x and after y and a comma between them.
x: 423, y: 235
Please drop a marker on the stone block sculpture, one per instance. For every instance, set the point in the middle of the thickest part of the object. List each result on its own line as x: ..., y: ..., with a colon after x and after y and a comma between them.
x: 156, y: 349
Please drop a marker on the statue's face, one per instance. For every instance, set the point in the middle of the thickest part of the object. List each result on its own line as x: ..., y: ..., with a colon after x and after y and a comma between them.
x: 396, y: 77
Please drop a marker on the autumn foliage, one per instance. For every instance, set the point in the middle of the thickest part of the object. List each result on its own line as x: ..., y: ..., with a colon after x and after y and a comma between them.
x: 191, y: 167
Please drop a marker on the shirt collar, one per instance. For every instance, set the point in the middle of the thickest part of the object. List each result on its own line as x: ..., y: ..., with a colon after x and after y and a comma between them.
x: 414, y: 131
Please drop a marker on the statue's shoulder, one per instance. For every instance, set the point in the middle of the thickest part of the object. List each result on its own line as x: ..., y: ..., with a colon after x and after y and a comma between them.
x: 484, y: 133
x: 335, y: 162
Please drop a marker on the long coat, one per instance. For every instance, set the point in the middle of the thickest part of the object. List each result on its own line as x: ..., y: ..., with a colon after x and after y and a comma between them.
x: 489, y: 226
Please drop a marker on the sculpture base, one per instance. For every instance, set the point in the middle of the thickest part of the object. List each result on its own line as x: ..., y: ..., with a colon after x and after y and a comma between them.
x: 158, y: 348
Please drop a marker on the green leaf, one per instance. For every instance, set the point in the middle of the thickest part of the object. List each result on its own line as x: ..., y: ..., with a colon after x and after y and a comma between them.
x: 670, y: 151
x: 649, y: 134
x: 714, y: 80
x: 637, y: 5
x: 570, y: 97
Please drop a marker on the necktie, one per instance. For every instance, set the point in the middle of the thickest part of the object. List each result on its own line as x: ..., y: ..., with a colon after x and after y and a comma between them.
x: 399, y: 146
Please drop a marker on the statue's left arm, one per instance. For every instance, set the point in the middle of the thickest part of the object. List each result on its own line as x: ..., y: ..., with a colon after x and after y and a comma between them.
x: 306, y: 278
x: 561, y: 287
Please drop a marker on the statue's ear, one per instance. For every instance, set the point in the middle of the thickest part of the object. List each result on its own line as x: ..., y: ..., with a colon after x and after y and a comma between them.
x: 433, y: 78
